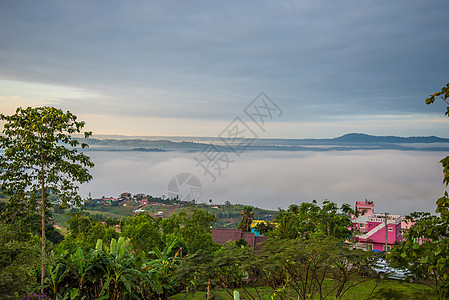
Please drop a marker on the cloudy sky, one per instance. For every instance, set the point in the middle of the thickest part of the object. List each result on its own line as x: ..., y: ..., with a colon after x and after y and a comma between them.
x: 188, y: 68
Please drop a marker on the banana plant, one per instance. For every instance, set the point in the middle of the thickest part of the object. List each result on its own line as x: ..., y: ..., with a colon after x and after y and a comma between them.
x: 122, y: 270
x: 56, y: 275
x: 82, y: 265
x: 162, y: 268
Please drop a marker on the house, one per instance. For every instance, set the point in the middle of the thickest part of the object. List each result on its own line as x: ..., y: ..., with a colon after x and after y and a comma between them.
x: 376, y: 230
x: 125, y: 195
x: 140, y: 196
x: 254, y: 226
x: 222, y: 236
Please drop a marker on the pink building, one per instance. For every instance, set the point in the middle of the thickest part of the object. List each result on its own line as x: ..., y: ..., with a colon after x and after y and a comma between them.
x: 371, y: 228
x: 364, y: 207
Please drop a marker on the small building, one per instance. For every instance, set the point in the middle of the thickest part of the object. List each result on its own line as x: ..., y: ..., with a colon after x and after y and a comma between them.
x: 254, y: 226
x: 125, y: 195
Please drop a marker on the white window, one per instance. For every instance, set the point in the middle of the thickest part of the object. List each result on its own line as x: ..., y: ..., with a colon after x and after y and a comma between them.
x: 390, y: 228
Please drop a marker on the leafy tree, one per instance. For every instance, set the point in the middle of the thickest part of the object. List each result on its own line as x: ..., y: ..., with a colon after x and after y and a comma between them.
x: 227, y: 268
x: 191, y: 228
x: 41, y: 156
x: 247, y: 218
x: 53, y: 235
x: 19, y: 259
x: 426, y: 248
x: 143, y: 230
x: 84, y: 231
x: 165, y: 264
x: 308, y: 220
x: 443, y: 203
x: 305, y: 265
x: 265, y: 228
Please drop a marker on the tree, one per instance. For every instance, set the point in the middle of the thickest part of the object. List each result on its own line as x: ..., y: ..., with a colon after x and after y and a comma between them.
x: 304, y: 265
x: 41, y: 158
x: 84, y: 231
x: 425, y: 250
x: 19, y: 259
x: 308, y: 220
x: 191, y: 228
x: 247, y: 218
x: 143, y: 230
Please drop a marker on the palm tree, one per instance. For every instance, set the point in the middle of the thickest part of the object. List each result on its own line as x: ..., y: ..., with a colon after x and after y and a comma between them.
x: 247, y: 218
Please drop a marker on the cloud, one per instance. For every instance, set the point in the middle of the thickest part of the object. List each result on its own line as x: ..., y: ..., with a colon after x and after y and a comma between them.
x: 206, y: 60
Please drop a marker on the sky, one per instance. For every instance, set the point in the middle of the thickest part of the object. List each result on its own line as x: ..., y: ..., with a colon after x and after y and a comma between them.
x: 189, y: 68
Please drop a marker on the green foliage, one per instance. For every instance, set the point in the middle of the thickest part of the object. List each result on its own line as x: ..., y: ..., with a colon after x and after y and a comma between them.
x: 113, y: 272
x: 226, y: 268
x: 53, y: 235
x: 191, y: 228
x: 443, y: 94
x: 247, y: 218
x: 84, y: 231
x: 143, y: 230
x: 164, y: 263
x: 426, y: 248
x: 320, y: 266
x: 309, y: 220
x: 41, y: 156
x: 19, y: 260
x: 264, y: 228
x: 443, y: 202
x: 41, y: 160
x: 304, y: 265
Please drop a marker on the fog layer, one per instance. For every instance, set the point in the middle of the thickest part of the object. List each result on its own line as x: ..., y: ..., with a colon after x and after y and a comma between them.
x: 397, y: 181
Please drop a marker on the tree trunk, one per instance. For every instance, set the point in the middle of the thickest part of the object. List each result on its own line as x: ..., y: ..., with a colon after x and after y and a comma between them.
x: 43, y: 228
x: 208, y: 289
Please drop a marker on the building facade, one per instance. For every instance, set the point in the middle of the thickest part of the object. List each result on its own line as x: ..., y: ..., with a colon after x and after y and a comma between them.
x: 376, y: 231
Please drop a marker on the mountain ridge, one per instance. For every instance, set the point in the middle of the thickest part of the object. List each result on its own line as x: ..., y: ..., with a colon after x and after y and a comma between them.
x: 350, y: 141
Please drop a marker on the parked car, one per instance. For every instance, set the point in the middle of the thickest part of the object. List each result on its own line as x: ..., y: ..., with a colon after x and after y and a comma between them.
x: 383, y: 270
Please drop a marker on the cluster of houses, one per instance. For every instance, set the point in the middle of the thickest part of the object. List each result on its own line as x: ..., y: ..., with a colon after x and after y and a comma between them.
x: 374, y: 232
x: 127, y: 199
x: 124, y: 198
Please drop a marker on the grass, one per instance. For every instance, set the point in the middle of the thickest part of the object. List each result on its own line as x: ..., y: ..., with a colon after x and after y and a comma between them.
x: 386, y: 289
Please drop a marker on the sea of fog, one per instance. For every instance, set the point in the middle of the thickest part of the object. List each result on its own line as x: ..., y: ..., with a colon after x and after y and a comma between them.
x: 397, y: 181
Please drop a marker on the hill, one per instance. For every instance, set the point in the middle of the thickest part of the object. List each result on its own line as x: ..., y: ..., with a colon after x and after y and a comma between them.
x: 228, y: 215
x: 350, y: 141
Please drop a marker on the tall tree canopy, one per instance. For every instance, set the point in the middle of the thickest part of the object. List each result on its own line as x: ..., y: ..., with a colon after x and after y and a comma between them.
x: 40, y: 157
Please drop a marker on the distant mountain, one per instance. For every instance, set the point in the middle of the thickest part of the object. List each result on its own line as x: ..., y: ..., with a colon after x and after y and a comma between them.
x: 365, y: 138
x: 350, y: 141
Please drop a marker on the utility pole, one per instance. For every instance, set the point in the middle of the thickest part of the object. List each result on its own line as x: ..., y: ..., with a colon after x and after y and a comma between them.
x: 386, y: 233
